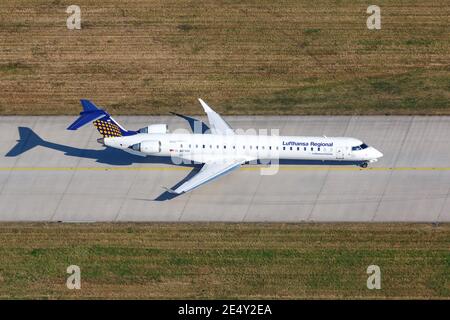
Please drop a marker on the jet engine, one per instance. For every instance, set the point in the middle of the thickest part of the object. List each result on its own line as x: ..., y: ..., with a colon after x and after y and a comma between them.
x: 155, y: 128
x: 147, y: 147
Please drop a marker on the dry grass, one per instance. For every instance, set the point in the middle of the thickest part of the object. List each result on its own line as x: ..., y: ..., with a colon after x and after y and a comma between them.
x: 225, y: 260
x: 261, y: 57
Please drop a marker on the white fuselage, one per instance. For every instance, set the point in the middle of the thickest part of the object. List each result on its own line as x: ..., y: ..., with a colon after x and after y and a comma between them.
x: 248, y: 147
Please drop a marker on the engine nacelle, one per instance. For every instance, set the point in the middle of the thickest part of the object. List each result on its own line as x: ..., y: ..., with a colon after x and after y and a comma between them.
x: 147, y: 147
x: 155, y: 128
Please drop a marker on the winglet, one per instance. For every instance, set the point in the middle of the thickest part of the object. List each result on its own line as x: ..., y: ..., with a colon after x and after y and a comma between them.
x: 170, y: 190
x: 205, y: 106
x: 216, y: 123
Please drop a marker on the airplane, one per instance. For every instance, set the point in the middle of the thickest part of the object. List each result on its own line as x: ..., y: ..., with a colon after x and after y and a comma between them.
x: 222, y: 150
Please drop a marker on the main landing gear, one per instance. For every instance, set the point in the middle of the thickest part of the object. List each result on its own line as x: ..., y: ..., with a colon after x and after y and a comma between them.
x: 363, y: 165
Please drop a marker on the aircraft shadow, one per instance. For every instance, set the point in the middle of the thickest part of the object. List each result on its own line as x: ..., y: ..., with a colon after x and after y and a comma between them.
x: 195, y: 124
x: 169, y: 195
x: 28, y: 140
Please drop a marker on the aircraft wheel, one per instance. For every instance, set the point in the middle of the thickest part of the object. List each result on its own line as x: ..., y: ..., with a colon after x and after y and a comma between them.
x: 363, y: 165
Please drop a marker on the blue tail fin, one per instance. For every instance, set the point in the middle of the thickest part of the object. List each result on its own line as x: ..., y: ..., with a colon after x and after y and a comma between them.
x: 104, y: 123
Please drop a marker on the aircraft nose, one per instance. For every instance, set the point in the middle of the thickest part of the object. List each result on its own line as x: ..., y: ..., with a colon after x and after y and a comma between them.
x: 377, y: 153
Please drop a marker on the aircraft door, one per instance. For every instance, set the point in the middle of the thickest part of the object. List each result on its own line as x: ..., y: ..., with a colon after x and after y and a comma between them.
x: 339, y: 153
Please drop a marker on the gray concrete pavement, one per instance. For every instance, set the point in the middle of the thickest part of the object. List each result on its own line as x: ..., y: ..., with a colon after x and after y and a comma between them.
x: 67, y: 176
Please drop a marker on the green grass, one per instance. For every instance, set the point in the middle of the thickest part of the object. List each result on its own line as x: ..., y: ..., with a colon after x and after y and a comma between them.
x: 270, y: 261
x: 414, y: 92
x: 14, y: 68
x: 311, y: 31
x: 419, y: 42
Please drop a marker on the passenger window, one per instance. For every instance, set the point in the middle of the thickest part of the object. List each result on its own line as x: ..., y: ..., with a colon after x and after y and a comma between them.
x: 291, y: 148
x: 270, y: 147
x: 304, y: 148
x: 318, y: 149
x: 204, y: 146
x: 181, y: 146
x: 224, y: 147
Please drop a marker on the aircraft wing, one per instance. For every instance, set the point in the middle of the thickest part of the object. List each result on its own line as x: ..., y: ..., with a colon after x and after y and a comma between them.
x: 217, y: 124
x: 210, y: 171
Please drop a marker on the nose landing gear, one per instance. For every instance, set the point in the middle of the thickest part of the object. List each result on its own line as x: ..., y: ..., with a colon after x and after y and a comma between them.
x: 363, y: 165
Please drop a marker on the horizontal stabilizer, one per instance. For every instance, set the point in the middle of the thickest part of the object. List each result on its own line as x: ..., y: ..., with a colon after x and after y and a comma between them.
x: 88, y: 106
x: 105, y: 124
x: 86, y: 118
x: 90, y: 113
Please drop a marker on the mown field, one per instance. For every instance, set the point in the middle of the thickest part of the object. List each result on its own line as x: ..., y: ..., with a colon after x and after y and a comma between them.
x: 257, y: 57
x: 224, y: 260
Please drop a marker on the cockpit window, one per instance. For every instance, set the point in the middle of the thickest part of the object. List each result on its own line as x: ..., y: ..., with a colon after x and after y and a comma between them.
x: 360, y: 147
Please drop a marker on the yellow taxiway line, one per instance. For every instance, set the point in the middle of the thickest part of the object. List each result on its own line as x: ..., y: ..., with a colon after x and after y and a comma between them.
x: 246, y: 168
